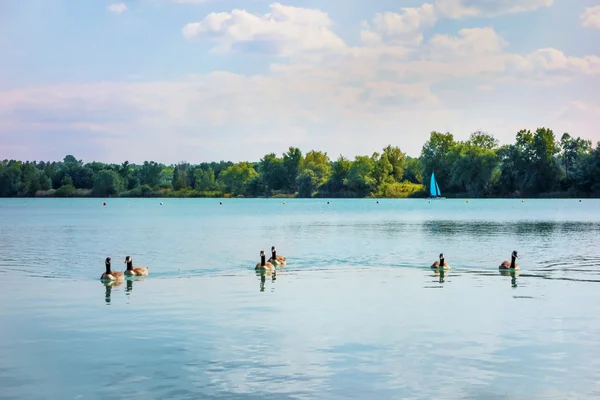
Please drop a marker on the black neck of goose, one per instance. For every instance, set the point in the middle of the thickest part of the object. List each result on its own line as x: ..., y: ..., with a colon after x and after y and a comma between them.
x: 441, y: 262
x: 274, y: 254
x: 512, y: 261
x: 262, y: 260
x: 108, y: 268
x: 129, y: 265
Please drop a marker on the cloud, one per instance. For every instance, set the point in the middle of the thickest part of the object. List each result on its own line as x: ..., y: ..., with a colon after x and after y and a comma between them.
x: 590, y: 18
x: 487, y: 8
x: 284, y: 31
x: 400, y: 28
x: 469, y: 42
x: 117, y: 8
x: 318, y: 92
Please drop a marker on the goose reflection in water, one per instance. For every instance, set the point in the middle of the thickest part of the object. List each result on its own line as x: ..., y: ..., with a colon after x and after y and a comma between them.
x: 263, y: 277
x: 441, y: 273
x: 512, y: 273
x: 108, y: 289
x: 129, y: 287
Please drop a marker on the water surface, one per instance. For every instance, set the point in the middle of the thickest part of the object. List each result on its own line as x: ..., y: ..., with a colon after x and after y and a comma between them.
x: 357, y: 313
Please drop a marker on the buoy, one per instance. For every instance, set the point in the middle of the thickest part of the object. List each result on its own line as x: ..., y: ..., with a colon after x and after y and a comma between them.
x: 580, y: 201
x: 284, y: 202
x: 377, y: 201
x: 104, y: 204
x: 161, y: 203
x: 467, y: 201
x: 220, y: 203
x: 522, y: 201
x: 327, y: 202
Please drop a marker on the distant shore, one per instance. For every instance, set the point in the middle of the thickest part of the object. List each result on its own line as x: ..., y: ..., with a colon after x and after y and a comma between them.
x: 165, y: 194
x: 535, y: 166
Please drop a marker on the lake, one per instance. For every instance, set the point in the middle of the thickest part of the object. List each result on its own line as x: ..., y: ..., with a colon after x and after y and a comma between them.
x: 357, y: 313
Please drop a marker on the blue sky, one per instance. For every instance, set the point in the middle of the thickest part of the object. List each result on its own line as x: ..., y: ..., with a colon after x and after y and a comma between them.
x: 173, y: 80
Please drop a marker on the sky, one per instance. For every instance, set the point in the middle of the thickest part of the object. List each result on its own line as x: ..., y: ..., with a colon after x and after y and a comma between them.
x: 210, y: 80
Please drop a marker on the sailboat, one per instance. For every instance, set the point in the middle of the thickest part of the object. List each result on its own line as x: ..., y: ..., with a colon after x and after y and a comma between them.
x: 434, y: 189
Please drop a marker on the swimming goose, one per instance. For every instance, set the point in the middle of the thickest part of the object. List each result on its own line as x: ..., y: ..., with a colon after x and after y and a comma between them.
x: 441, y: 263
x: 134, y: 271
x: 512, y: 264
x: 278, y: 261
x: 263, y: 264
x: 110, y: 275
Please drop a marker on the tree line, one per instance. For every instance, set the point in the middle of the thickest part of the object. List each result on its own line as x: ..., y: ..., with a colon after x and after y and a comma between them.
x: 535, y: 165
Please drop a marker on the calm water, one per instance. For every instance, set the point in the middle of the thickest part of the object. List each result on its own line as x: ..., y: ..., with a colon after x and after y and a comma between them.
x: 356, y: 314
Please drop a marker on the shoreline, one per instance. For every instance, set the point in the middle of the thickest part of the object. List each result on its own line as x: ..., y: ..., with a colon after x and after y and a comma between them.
x: 291, y: 197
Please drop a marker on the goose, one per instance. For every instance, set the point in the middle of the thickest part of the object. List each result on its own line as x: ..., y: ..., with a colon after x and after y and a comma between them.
x: 278, y: 261
x: 134, y: 271
x: 512, y: 264
x: 441, y: 263
x: 263, y: 264
x: 111, y: 275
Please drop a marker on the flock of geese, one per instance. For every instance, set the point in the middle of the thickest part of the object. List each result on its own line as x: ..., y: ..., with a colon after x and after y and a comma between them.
x: 110, y: 275
x: 512, y: 264
x: 269, y: 265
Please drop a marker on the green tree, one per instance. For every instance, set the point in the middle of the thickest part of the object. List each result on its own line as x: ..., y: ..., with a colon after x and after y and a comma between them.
x: 31, y: 177
x: 483, y: 140
x: 397, y: 159
x: 587, y: 172
x: 476, y: 169
x: 10, y: 179
x: 335, y: 185
x: 236, y: 177
x: 273, y: 172
x: 383, y: 169
x: 319, y: 164
x: 150, y: 173
x: 414, y: 170
x: 572, y: 151
x: 360, y: 176
x: 205, y: 180
x: 177, y: 181
x: 308, y: 182
x: 107, y: 183
x: 292, y: 162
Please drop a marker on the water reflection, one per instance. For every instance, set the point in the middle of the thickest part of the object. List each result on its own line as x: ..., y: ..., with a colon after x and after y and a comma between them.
x: 513, y: 274
x: 441, y: 273
x: 129, y: 286
x: 521, y: 228
x: 263, y: 277
x: 108, y: 289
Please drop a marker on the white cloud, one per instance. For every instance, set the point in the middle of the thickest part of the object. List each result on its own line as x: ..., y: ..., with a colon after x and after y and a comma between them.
x: 471, y: 8
x: 469, y: 42
x: 117, y: 8
x: 591, y: 17
x: 322, y: 92
x: 284, y: 31
x: 400, y: 28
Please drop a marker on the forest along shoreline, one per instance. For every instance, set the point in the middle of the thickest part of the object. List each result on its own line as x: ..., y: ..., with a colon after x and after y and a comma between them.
x: 536, y: 165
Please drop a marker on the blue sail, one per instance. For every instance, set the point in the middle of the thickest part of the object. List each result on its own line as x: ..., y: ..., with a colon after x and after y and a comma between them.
x: 433, y: 186
x: 434, y: 189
